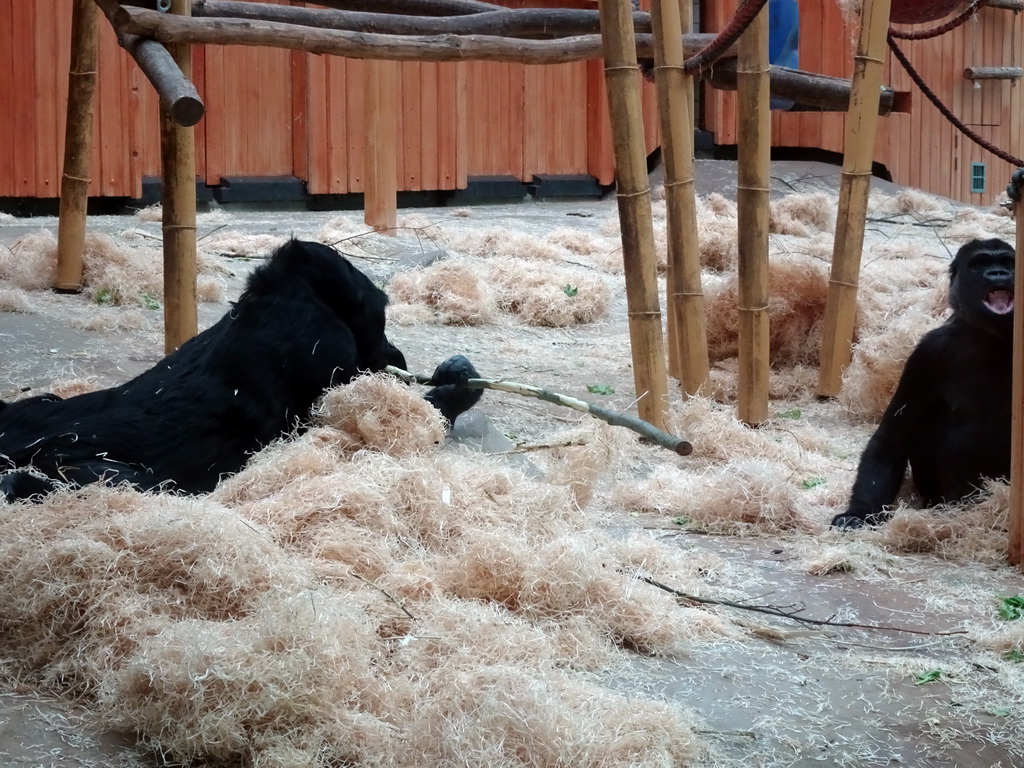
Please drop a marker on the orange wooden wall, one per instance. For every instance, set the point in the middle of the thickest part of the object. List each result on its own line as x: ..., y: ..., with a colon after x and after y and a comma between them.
x: 921, y: 149
x: 272, y: 112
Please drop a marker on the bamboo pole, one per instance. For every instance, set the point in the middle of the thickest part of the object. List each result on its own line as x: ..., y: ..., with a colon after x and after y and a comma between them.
x: 74, y: 185
x: 1015, y: 549
x: 688, y: 349
x: 380, y: 156
x: 178, y: 156
x: 752, y: 197
x: 633, y: 191
x: 859, y: 150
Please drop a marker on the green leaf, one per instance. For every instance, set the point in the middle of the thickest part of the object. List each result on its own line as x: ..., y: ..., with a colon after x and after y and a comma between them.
x: 1015, y: 656
x: 813, y: 482
x: 600, y: 389
x: 104, y: 297
x: 1000, y: 711
x: 149, y: 301
x: 570, y: 290
x: 928, y: 677
x: 682, y: 521
x: 1011, y: 608
x: 791, y: 414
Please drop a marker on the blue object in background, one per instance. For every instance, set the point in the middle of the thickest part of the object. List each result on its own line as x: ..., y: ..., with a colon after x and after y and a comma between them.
x: 783, y: 39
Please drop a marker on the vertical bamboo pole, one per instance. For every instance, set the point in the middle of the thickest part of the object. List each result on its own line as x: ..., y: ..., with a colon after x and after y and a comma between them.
x: 752, y: 196
x: 859, y: 150
x: 74, y: 185
x: 688, y: 347
x: 380, y: 183
x: 178, y: 156
x: 1015, y: 550
x: 634, y: 200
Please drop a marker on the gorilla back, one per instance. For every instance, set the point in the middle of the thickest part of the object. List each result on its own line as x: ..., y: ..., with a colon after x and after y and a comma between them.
x: 308, y: 320
x: 950, y: 415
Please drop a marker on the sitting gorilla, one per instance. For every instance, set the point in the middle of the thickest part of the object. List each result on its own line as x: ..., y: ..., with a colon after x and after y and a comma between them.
x: 950, y: 415
x: 308, y: 320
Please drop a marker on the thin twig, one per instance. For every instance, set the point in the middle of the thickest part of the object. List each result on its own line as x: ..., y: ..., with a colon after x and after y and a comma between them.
x: 386, y: 594
x: 773, y: 611
x: 679, y: 445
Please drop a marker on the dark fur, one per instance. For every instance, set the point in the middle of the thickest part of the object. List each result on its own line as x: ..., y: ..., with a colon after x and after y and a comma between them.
x: 950, y: 415
x: 308, y: 320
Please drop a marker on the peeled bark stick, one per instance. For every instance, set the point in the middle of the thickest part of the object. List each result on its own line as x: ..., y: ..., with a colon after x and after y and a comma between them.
x: 74, y: 185
x: 679, y: 445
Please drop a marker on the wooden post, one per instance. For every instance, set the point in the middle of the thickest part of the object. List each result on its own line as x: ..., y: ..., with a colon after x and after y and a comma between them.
x: 74, y: 185
x: 380, y: 170
x: 178, y: 155
x: 1015, y: 550
x: 859, y: 151
x: 752, y: 197
x: 688, y: 347
x: 633, y: 191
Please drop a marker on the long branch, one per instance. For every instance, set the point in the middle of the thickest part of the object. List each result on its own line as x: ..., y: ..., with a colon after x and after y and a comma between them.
x: 793, y: 616
x: 168, y: 28
x: 504, y: 22
x: 679, y: 445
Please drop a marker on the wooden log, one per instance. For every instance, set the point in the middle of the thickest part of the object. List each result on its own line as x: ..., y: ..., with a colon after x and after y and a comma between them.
x: 1007, y: 5
x: 178, y: 155
x: 1015, y: 549
x: 754, y: 130
x: 364, y: 45
x: 688, y: 349
x: 74, y: 185
x: 622, y: 75
x: 178, y: 96
x: 544, y: 23
x: 826, y: 93
x: 855, y: 183
x: 993, y: 73
x: 380, y: 157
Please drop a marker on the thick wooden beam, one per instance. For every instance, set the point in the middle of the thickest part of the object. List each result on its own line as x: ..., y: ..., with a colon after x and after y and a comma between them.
x: 74, y: 184
x: 633, y: 191
x: 503, y: 22
x: 178, y: 96
x: 382, y: 145
x: 166, y: 28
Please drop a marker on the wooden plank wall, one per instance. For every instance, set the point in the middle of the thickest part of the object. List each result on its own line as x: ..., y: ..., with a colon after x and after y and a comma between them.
x: 920, y: 149
x: 272, y: 112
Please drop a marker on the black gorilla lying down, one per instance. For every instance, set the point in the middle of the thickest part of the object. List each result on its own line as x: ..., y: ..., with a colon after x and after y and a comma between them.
x: 950, y: 415
x: 308, y: 320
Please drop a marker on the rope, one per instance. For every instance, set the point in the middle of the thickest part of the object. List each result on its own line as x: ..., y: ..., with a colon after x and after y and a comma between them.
x: 713, y: 51
x: 946, y: 112
x: 949, y: 26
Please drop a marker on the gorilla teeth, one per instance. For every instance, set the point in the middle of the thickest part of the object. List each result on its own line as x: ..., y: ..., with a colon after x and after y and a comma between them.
x: 1000, y: 302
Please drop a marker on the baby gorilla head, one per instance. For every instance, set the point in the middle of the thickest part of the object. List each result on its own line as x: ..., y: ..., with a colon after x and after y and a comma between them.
x: 981, y: 284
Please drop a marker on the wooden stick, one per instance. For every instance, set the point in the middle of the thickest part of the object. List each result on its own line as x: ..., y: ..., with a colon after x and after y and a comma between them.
x: 501, y: 22
x: 365, y: 45
x: 74, y: 185
x: 993, y: 73
x: 633, y: 191
x: 1015, y: 549
x: 752, y: 197
x: 178, y: 155
x: 178, y: 96
x: 688, y: 349
x: 679, y: 445
x: 859, y: 150
x: 380, y: 157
